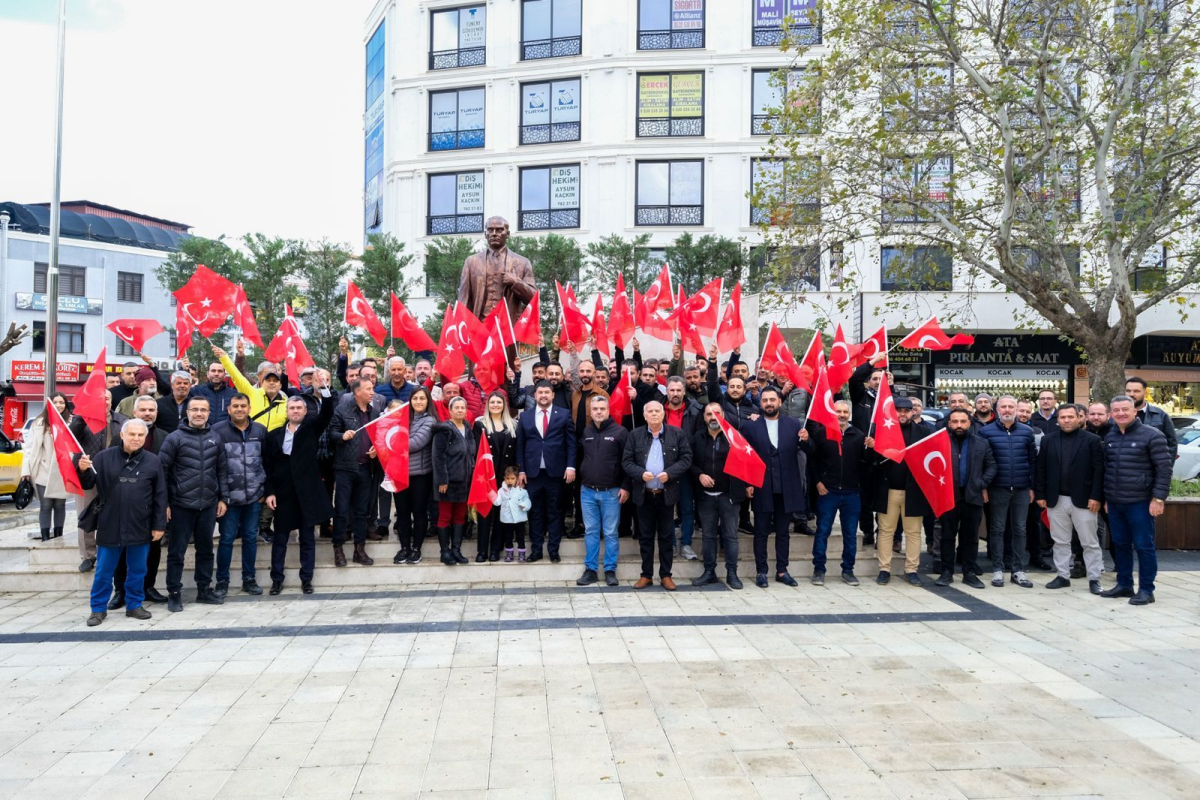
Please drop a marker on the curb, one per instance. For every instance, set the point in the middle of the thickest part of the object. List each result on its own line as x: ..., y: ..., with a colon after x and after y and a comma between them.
x: 18, y: 519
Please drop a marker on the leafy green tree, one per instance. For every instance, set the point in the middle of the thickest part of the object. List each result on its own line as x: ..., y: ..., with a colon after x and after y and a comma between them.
x: 554, y: 258
x: 1048, y: 149
x: 383, y: 263
x: 695, y: 262
x: 274, y: 264
x: 444, y: 258
x: 178, y: 269
x: 323, y: 270
x: 615, y: 255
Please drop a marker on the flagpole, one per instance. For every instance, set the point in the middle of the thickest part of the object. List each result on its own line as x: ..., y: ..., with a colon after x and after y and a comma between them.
x: 51, y: 338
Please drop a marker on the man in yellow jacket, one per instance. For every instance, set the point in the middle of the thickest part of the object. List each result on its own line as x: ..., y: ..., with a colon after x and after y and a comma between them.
x: 268, y: 402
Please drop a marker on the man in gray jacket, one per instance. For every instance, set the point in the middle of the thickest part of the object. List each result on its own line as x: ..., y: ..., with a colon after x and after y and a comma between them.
x: 243, y: 491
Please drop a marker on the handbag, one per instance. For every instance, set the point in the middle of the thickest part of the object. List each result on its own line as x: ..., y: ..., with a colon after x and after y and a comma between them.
x: 24, y: 494
x: 89, y: 520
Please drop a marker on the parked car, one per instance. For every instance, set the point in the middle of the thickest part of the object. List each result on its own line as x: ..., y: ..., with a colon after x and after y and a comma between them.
x: 10, y: 465
x: 1182, y: 421
x: 1187, y: 465
x: 934, y: 415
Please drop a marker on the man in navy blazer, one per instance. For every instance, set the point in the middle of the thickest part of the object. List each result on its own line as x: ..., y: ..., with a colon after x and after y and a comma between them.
x: 779, y: 440
x: 545, y: 455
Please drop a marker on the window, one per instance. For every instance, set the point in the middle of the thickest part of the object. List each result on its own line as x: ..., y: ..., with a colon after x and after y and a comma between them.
x: 908, y: 25
x: 670, y: 24
x: 373, y: 141
x: 1151, y: 273
x: 1040, y: 263
x: 174, y: 342
x: 456, y: 119
x: 1031, y: 19
x: 456, y: 203
x: 915, y: 188
x: 794, y: 269
x: 549, y: 197
x: 1049, y: 187
x: 551, y: 28
x: 129, y: 287
x: 375, y: 69
x: 550, y: 112
x: 770, y: 17
x: 784, y: 184
x: 671, y: 104
x: 70, y: 337
x: 915, y: 269
x: 124, y: 348
x: 670, y: 193
x: 1060, y: 79
x: 72, y: 281
x: 458, y: 37
x: 918, y: 98
x: 768, y: 99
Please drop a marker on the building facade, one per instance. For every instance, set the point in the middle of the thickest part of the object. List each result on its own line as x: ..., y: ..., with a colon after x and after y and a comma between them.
x: 626, y: 117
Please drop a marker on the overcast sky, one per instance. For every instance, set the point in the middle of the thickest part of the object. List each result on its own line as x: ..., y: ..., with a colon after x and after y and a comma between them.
x: 230, y: 115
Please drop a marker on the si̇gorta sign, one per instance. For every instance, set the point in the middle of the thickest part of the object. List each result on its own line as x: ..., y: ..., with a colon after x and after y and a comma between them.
x: 772, y: 13
x: 67, y: 304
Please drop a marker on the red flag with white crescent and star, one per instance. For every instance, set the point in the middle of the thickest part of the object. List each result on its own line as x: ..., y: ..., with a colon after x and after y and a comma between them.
x: 65, y: 449
x: 742, y: 462
x: 90, y: 401
x: 206, y: 300
x: 930, y: 336
x: 359, y: 314
x: 475, y: 337
x: 660, y: 294
x: 620, y: 319
x: 288, y: 347
x: 483, y: 481
x: 389, y: 434
x: 183, y: 331
x: 876, y: 344
x: 841, y: 360
x: 929, y: 462
x: 731, y: 335
x: 620, y: 403
x: 243, y: 317
x: 576, y: 327
x: 528, y: 326
x: 406, y: 329
x: 599, y: 327
x: 449, y: 362
x: 814, y: 357
x: 821, y: 409
x: 704, y: 307
x: 889, y: 440
x: 136, y: 332
x: 777, y: 355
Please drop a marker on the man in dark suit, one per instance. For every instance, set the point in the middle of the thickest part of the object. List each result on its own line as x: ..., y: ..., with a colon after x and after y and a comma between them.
x: 657, y: 458
x: 779, y: 440
x: 973, y: 468
x: 545, y: 454
x: 1069, y: 483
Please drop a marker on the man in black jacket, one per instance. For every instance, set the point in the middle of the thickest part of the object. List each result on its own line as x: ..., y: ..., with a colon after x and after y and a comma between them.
x: 720, y: 497
x: 898, y: 500
x: 1151, y: 415
x: 170, y: 405
x: 738, y: 408
x: 243, y: 443
x: 1137, y: 480
x: 132, y: 491
x: 1069, y: 483
x: 656, y: 458
x: 686, y: 414
x: 353, y: 469
x: 194, y: 462
x: 145, y: 408
x: 863, y: 386
x: 838, y: 470
x: 604, y: 488
x: 1098, y: 421
x: 973, y: 467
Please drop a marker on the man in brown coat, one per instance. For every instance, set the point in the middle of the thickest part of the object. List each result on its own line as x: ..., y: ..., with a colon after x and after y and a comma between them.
x: 496, y: 274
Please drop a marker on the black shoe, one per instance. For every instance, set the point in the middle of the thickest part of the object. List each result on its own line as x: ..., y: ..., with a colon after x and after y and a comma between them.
x: 415, y: 558
x: 306, y: 587
x: 174, y: 602
x: 938, y: 566
x: 96, y: 618
x: 208, y: 597
x: 1142, y: 598
x: 761, y: 580
x: 1040, y: 564
x: 1094, y: 587
x: 883, y: 577
x: 87, y: 565
x: 849, y: 579
x: 448, y: 558
x: 46, y: 538
x: 402, y: 556
x: 533, y: 557
x: 494, y: 557
x: 276, y: 587
x: 1116, y: 591
x: 480, y: 558
x: 732, y: 580
x: 555, y: 558
x: 576, y: 533
x: 154, y: 595
x: 785, y: 579
x: 610, y: 578
x: 945, y: 579
x: 587, y: 578
x: 818, y: 578
x: 868, y: 541
x: 222, y: 590
x: 802, y: 529
x: 1078, y: 570
x: 117, y: 600
x: 973, y: 581
x: 459, y: 558
x: 706, y: 577
x: 137, y: 613
x: 913, y: 578
x: 251, y: 587
x: 1059, y: 582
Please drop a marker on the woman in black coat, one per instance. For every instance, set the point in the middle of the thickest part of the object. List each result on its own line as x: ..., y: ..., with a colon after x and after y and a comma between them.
x: 453, y: 466
x: 501, y: 431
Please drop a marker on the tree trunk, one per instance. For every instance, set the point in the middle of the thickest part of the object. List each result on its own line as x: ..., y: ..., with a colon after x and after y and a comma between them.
x: 1106, y: 368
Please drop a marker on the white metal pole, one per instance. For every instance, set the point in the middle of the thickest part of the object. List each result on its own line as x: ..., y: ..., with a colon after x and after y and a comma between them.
x: 55, y: 214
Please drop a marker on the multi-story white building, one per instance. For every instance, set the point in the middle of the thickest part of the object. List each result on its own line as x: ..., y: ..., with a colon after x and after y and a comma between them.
x: 591, y: 118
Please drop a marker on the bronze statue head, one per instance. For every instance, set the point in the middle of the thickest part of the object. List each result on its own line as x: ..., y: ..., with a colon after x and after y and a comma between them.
x: 496, y: 230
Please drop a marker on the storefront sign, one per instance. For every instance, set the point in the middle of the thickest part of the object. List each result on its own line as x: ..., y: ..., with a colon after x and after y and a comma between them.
x: 904, y: 355
x: 471, y: 27
x: 470, y: 193
x: 687, y: 15
x: 654, y: 96
x: 66, y: 304
x: 771, y: 13
x: 1172, y: 351
x: 67, y: 372
x: 687, y: 95
x: 564, y: 187
x: 1002, y: 373
x: 1011, y: 349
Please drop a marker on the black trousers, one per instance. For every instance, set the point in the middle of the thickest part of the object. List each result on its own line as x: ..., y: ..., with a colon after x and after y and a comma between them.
x: 352, y: 500
x: 412, y: 511
x: 962, y: 523
x: 779, y: 519
x: 487, y: 536
x: 719, y: 521
x: 509, y: 535
x: 866, y: 520
x: 656, y: 519
x: 196, y: 526
x: 153, y: 558
x: 546, y: 515
x: 308, y: 553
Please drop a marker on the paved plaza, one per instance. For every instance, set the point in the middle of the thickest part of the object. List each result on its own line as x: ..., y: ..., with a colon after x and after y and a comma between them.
x: 547, y: 691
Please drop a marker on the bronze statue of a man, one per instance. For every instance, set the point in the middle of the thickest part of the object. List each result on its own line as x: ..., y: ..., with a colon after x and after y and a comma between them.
x: 496, y: 274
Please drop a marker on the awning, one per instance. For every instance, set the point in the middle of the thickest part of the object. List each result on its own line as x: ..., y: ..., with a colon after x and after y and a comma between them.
x: 35, y: 391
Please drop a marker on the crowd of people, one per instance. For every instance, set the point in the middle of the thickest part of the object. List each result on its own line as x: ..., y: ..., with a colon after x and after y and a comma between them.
x: 258, y: 459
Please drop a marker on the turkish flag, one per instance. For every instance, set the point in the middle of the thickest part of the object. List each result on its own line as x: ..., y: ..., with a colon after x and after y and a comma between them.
x: 841, y: 360
x: 528, y: 327
x: 777, y: 355
x: 821, y: 409
x: 483, y: 481
x: 659, y: 294
x: 243, y: 317
x: 620, y: 402
x: 620, y: 320
x: 742, y: 462
x: 889, y: 441
x: 930, y: 336
x: 408, y: 331
x: 814, y: 357
x: 206, y: 300
x: 475, y: 337
x: 288, y: 347
x: 929, y: 462
x: 449, y: 362
x: 136, y: 332
x: 599, y: 327
x: 704, y: 307
x: 183, y: 331
x: 575, y: 324
x: 90, y: 402
x: 65, y: 448
x: 491, y: 364
x: 689, y: 332
x: 730, y: 334
x: 389, y: 434
x: 359, y: 314
x: 877, y: 344
x: 650, y: 321
x: 499, y: 319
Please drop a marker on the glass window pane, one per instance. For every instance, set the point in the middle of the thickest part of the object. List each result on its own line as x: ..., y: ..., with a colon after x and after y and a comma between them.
x: 441, y: 195
x: 685, y: 183
x: 568, y: 18
x: 766, y: 96
x: 564, y: 187
x: 537, y: 20
x: 535, y: 189
x: 565, y: 101
x: 445, y: 30
x: 472, y: 26
x: 443, y: 112
x: 652, y: 184
x: 655, y: 15
x: 470, y: 110
x: 535, y: 104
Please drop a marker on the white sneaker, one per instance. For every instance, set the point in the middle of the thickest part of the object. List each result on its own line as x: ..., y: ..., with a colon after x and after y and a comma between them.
x: 998, y: 578
x: 689, y: 553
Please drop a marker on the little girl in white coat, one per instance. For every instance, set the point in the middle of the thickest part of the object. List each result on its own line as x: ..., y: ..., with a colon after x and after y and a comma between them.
x: 514, y: 511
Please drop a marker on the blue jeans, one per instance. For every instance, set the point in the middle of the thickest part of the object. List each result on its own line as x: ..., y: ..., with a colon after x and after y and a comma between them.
x: 1132, y: 528
x: 238, y: 521
x: 849, y: 504
x: 601, y: 515
x: 687, y: 511
x: 135, y: 575
x: 1008, y: 510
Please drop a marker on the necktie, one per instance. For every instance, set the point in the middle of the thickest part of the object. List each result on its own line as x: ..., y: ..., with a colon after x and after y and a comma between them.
x: 545, y: 422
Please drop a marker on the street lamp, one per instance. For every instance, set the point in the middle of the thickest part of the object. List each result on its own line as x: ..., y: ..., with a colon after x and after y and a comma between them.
x: 51, y: 368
